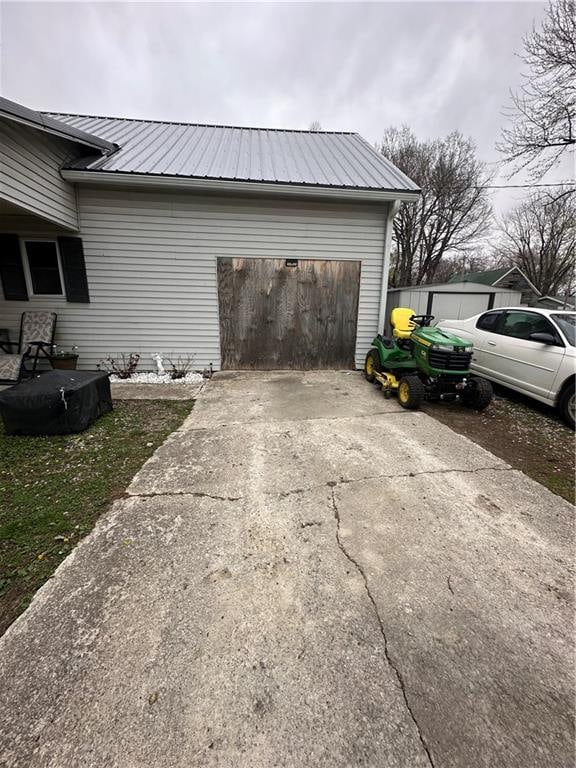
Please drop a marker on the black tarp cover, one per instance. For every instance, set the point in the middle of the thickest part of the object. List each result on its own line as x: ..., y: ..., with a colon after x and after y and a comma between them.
x: 55, y: 403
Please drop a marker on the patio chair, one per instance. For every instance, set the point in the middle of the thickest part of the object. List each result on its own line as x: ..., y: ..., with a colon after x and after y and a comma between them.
x: 36, y: 337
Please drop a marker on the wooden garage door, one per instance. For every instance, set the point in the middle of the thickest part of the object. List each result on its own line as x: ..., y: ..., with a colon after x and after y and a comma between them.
x: 277, y: 313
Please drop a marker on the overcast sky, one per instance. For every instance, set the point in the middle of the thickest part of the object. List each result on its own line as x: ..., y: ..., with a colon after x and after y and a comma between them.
x: 352, y: 66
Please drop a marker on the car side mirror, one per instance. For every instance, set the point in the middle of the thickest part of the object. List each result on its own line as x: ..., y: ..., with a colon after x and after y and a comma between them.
x: 543, y: 338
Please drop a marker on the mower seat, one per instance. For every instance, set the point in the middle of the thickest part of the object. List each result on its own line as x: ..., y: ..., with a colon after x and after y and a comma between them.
x: 402, y: 325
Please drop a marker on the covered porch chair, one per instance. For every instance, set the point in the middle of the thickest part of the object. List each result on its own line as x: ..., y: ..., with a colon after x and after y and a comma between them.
x: 37, y: 331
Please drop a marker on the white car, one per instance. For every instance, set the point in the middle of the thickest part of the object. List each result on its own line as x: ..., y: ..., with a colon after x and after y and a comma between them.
x: 530, y: 350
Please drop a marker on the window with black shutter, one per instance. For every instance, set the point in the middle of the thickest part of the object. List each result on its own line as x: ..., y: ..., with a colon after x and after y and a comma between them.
x: 43, y: 267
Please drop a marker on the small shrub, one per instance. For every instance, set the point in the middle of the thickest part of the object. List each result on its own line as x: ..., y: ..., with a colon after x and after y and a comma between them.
x: 177, y: 369
x: 123, y: 366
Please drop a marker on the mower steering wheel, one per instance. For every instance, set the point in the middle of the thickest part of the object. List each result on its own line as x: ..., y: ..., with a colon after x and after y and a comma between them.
x: 422, y: 320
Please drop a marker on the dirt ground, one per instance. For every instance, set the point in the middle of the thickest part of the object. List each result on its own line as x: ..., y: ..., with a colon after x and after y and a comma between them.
x: 527, y: 434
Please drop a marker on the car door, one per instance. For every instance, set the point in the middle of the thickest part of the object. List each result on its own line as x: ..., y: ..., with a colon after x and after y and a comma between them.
x: 483, y: 335
x: 520, y: 362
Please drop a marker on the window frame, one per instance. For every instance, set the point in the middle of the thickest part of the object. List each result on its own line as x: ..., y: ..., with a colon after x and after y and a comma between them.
x: 558, y: 327
x: 500, y: 313
x: 28, y: 272
x: 553, y: 329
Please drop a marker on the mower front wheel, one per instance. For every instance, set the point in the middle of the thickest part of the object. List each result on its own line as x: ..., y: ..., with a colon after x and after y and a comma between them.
x: 372, y: 365
x: 411, y: 392
x: 478, y: 394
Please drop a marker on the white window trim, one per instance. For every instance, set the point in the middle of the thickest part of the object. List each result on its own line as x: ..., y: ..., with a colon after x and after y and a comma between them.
x: 28, y: 274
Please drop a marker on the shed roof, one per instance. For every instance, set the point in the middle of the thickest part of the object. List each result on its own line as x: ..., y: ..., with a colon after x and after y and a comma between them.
x: 488, y: 277
x: 452, y: 284
x: 217, y: 152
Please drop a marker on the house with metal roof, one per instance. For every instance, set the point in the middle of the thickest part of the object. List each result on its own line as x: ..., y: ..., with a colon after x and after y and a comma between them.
x: 245, y: 247
x: 555, y: 302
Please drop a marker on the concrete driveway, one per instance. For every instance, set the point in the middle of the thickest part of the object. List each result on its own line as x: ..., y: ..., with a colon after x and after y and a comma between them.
x: 304, y: 575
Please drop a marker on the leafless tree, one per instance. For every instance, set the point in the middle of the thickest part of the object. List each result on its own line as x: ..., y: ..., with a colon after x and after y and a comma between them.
x: 453, y: 212
x: 539, y: 236
x: 315, y: 126
x: 542, y: 117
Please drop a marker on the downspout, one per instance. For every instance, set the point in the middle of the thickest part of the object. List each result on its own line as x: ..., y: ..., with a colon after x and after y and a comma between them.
x: 393, y: 209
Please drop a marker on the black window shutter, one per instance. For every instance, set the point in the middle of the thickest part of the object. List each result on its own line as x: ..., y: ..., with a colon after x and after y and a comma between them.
x: 74, y: 269
x: 11, y: 269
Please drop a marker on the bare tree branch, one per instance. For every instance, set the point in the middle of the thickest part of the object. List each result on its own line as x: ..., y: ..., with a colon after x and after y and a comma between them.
x: 453, y: 212
x: 539, y: 236
x: 540, y: 127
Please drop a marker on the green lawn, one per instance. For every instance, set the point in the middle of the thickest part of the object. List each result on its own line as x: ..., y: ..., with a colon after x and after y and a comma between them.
x: 52, y: 490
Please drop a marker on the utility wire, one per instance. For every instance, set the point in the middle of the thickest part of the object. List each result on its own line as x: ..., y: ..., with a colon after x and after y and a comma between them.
x: 526, y: 186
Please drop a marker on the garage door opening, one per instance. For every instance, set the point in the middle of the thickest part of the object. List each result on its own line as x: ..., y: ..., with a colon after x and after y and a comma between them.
x: 287, y: 313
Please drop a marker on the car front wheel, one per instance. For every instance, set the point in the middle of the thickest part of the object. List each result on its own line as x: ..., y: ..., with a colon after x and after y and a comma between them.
x: 567, y: 405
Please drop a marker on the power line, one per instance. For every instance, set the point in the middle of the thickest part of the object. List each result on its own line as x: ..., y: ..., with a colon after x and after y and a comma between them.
x: 526, y: 186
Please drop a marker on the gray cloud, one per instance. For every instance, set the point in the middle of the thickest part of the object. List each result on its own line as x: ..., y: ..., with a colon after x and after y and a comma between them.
x: 435, y: 66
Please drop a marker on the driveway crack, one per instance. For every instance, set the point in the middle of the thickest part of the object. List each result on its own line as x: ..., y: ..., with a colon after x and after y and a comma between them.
x: 349, y: 481
x: 196, y: 494
x: 432, y: 472
x: 391, y: 663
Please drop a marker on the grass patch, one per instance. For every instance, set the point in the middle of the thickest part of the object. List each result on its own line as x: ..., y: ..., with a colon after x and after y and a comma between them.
x: 52, y: 490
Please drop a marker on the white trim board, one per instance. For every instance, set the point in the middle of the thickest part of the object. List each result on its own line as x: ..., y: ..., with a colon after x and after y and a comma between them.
x: 116, y: 178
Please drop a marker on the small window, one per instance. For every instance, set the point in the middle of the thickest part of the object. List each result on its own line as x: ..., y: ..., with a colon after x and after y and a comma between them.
x: 520, y: 325
x: 489, y: 321
x: 43, y: 267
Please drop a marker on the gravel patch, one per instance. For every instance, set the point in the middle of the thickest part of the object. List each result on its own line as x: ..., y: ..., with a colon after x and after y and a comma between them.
x: 155, y: 378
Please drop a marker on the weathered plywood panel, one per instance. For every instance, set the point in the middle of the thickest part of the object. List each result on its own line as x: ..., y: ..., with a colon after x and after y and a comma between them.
x: 277, y: 316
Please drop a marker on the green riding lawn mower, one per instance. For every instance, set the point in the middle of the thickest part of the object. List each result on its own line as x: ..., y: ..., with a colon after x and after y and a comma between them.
x: 422, y: 363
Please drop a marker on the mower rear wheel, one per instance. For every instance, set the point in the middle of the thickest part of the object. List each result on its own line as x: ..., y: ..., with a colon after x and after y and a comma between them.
x: 372, y: 365
x: 478, y: 394
x: 411, y: 392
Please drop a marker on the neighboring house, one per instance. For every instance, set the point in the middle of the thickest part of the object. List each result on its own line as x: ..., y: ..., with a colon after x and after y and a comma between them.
x: 245, y: 247
x: 452, y: 301
x: 554, y: 302
x: 505, y: 277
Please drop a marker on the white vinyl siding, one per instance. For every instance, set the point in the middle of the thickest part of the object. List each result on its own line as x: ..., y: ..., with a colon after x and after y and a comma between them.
x: 30, y: 163
x: 151, y: 263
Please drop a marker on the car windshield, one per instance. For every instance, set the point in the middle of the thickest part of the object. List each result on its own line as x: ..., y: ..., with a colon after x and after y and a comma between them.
x: 567, y: 323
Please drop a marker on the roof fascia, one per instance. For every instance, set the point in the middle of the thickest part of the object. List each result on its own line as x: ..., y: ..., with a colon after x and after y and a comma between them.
x: 118, y: 178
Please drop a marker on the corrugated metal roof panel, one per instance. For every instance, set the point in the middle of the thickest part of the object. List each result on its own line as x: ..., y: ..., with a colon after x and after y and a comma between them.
x: 326, y: 159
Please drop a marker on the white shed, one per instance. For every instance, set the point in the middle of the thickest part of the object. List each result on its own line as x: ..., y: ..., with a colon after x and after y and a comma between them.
x: 451, y: 301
